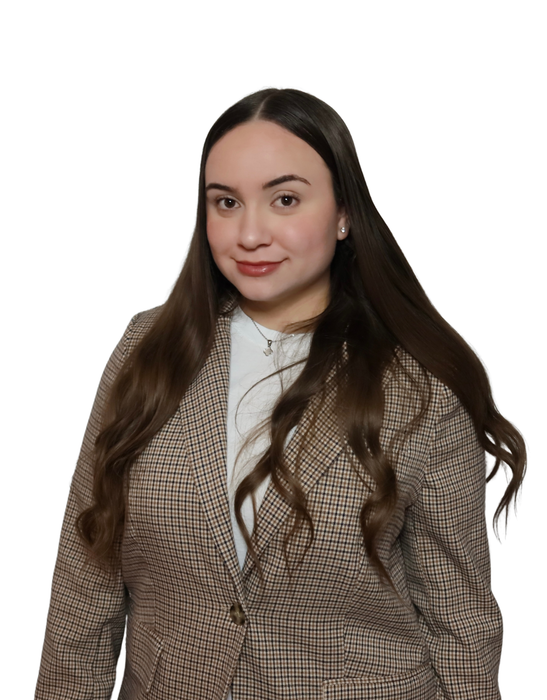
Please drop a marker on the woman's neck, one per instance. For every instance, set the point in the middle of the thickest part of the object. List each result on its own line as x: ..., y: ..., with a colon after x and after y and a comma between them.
x: 279, y: 317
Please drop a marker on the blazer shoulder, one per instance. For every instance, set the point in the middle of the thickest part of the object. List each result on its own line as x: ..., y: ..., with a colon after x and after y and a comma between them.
x: 406, y: 379
x: 140, y: 324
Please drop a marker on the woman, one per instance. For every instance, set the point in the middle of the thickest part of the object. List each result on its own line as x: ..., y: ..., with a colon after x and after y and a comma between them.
x: 282, y: 479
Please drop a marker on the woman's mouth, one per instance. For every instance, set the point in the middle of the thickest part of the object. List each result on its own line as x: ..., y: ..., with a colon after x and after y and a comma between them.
x: 257, y: 269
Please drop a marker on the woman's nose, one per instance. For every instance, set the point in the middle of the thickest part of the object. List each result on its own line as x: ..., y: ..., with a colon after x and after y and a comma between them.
x: 253, y: 229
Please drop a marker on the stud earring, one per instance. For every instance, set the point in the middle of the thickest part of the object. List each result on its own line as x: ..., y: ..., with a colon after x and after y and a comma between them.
x: 343, y: 229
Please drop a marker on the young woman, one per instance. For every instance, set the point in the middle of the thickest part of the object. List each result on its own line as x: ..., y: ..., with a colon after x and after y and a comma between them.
x: 281, y: 486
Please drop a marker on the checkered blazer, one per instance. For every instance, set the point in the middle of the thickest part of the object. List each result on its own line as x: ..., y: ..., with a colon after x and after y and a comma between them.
x: 197, y: 624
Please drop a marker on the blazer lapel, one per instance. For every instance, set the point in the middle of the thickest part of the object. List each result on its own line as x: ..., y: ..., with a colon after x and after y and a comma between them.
x: 202, y: 413
x: 318, y: 452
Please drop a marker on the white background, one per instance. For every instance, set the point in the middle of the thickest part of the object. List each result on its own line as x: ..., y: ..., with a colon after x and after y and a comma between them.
x: 105, y: 106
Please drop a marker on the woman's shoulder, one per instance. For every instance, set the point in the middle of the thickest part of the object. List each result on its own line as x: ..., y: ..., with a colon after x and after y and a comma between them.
x: 407, y: 380
x: 141, y: 323
x: 146, y: 318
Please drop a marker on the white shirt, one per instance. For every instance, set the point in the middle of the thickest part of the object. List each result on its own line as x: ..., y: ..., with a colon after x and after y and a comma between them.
x: 248, y: 365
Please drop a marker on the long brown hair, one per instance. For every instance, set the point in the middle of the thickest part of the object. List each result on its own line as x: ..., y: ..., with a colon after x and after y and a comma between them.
x: 376, y: 306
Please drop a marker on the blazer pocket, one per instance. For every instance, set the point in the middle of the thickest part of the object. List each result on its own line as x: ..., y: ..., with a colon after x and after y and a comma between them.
x: 420, y: 684
x: 143, y: 653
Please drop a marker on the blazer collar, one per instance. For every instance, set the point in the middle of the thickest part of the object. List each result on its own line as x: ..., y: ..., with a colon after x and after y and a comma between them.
x: 203, y: 412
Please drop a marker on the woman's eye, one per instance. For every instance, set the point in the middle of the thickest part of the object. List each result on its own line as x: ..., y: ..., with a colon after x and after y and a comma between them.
x: 287, y: 200
x: 228, y: 202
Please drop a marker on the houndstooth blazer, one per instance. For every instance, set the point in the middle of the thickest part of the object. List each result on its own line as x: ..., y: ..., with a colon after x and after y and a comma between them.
x: 197, y: 624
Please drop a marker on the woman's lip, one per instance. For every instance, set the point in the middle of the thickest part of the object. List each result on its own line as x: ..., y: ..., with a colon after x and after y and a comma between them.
x: 257, y: 269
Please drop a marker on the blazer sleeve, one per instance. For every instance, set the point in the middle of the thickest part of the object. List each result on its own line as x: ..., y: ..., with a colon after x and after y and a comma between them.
x: 447, y: 559
x: 86, y: 618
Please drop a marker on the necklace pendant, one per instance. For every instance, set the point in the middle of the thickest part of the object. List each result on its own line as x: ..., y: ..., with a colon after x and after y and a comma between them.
x: 268, y: 351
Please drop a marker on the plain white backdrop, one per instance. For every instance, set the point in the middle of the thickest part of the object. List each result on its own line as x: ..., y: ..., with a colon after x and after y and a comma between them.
x: 105, y: 107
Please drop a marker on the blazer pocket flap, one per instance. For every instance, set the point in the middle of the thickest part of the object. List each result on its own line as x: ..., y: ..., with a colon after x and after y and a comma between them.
x: 420, y: 684
x: 143, y: 652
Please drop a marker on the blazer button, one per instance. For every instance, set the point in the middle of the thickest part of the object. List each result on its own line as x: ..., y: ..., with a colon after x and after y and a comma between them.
x: 237, y: 614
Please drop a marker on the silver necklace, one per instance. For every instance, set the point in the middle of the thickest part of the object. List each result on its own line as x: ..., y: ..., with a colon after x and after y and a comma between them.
x: 269, y: 349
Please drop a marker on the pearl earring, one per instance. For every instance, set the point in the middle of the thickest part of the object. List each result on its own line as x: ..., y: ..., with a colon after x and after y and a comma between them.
x: 343, y: 229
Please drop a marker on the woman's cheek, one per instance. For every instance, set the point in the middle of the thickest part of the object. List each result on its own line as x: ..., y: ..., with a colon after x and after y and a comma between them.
x: 216, y: 234
x: 297, y: 234
x: 309, y: 234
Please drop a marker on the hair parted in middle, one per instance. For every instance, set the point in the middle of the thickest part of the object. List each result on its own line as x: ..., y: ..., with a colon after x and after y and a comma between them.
x: 377, y: 310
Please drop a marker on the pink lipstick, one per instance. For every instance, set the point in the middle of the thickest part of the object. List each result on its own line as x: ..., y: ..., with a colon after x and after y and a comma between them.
x: 257, y: 269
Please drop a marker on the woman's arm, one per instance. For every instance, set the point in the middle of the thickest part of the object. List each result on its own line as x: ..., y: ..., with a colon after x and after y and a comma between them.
x: 86, y: 617
x: 448, y: 564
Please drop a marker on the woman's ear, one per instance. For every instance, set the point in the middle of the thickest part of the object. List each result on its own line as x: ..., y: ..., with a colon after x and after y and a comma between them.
x: 343, y: 225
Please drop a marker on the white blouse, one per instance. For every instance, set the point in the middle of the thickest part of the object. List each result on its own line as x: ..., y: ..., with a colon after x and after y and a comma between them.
x: 248, y: 365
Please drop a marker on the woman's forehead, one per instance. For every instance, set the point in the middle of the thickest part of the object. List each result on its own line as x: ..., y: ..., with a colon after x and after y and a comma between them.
x: 263, y: 150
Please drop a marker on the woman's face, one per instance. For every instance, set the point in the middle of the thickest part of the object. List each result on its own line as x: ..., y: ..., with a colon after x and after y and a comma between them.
x: 272, y: 221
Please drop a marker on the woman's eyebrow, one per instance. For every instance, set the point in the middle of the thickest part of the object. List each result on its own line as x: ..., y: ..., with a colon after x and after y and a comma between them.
x: 265, y: 186
x: 283, y: 178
